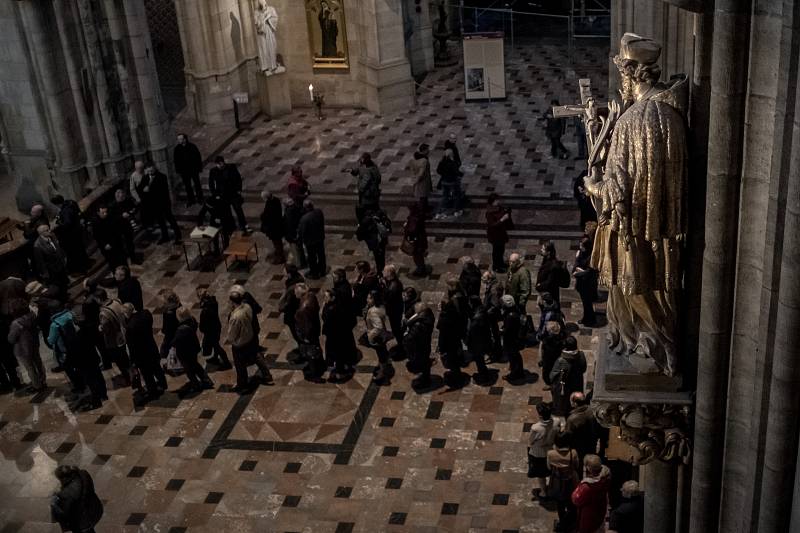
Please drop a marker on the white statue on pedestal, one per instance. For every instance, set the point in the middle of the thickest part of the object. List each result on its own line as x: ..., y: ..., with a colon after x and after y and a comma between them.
x: 266, y: 26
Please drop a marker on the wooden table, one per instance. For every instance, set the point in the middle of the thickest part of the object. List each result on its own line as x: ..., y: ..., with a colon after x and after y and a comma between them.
x: 7, y: 227
x: 239, y: 249
x: 210, y: 238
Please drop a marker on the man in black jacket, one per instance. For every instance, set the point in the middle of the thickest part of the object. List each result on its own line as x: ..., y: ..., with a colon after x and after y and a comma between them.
x: 272, y: 225
x: 628, y: 517
x: 417, y: 343
x: 69, y: 231
x: 157, y: 199
x: 186, y: 348
x: 311, y: 233
x: 211, y: 328
x: 225, y: 181
x: 292, y: 211
x: 189, y: 164
x: 393, y: 302
x: 552, y: 274
x: 108, y: 233
x: 143, y: 349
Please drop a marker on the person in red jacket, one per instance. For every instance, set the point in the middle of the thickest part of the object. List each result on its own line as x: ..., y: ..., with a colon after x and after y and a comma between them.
x: 590, y: 497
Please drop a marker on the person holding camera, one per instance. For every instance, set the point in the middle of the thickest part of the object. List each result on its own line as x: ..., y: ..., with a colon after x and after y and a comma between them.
x: 498, y: 223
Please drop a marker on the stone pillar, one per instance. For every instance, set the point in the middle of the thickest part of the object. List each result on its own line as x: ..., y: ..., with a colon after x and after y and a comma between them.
x: 420, y: 45
x: 727, y: 106
x: 386, y: 70
x: 659, y: 482
x: 220, y: 55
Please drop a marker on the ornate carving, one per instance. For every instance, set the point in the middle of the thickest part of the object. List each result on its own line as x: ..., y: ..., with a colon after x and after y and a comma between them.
x: 654, y: 431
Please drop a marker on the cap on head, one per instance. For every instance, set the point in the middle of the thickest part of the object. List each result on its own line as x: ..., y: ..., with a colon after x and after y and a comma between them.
x: 641, y: 49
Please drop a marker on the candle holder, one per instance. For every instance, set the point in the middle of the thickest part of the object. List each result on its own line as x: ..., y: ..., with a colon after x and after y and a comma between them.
x: 319, y: 101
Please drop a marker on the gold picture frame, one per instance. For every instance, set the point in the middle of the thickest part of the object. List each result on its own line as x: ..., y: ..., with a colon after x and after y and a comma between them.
x: 327, y: 34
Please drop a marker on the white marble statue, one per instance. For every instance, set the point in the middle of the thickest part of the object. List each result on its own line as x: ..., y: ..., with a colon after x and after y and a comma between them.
x: 266, y: 26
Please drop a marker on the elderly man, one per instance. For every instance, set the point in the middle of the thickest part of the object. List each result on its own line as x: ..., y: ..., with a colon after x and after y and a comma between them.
x: 470, y: 278
x: 581, y: 425
x: 243, y: 341
x: 628, y: 517
x: 518, y: 282
x: 49, y: 260
x: 590, y: 497
x: 511, y: 340
x: 393, y: 302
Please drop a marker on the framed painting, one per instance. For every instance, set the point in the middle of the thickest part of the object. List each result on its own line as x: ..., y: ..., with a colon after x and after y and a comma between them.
x: 327, y: 34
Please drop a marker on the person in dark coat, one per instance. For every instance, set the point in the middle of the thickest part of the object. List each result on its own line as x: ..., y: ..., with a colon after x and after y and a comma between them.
x: 549, y: 311
x: 450, y: 144
x: 23, y: 335
x: 30, y: 232
x: 169, y: 320
x: 129, y: 290
x: 567, y: 376
x: 374, y: 229
x: 189, y: 165
x: 107, y: 231
x: 211, y: 328
x: 552, y: 272
x: 588, y: 213
x: 143, y: 349
x: 340, y: 345
x: 82, y: 355
x: 272, y: 225
x: 123, y: 211
x: 511, y: 340
x: 289, y: 303
x: 553, y: 130
x: 493, y: 306
x: 157, y: 200
x: 628, y: 516
x: 415, y: 232
x: 470, y: 278
x: 417, y: 343
x: 581, y: 426
x: 309, y: 329
x: 311, y: 233
x: 69, y: 231
x: 75, y: 507
x: 255, y: 307
x: 393, y: 303
x: 368, y: 185
x: 585, y: 282
x: 551, y: 342
x: 344, y: 293
x: 187, y: 347
x: 450, y: 335
x: 50, y: 262
x: 410, y: 299
x: 217, y: 212
x: 479, y: 340
x: 450, y: 180
x: 225, y: 181
x: 498, y: 224
x: 366, y: 282
x: 292, y: 211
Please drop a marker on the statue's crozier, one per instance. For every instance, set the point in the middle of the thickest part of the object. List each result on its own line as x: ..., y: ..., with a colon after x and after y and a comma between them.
x: 640, y: 201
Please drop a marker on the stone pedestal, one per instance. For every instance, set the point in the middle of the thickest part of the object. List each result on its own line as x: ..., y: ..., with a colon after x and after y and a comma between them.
x: 274, y: 95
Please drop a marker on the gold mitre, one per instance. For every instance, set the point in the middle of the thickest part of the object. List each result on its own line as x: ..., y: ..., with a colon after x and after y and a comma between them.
x: 641, y: 49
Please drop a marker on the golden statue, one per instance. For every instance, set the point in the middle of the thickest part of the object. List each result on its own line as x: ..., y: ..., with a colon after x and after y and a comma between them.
x: 638, y: 183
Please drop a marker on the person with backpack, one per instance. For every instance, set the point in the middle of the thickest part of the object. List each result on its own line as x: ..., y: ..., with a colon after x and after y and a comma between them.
x: 566, y: 377
x: 368, y: 185
x: 144, y: 350
x: 374, y: 229
x: 211, y: 328
x: 24, y: 336
x: 553, y: 274
x: 562, y: 461
x: 512, y: 340
x: 75, y: 507
x: 112, y: 333
x: 187, y: 347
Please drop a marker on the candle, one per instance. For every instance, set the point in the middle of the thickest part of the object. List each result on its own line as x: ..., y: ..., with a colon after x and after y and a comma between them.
x: 311, y: 92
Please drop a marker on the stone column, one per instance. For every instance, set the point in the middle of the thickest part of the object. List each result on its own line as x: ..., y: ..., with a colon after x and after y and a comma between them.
x: 420, y: 46
x: 659, y: 482
x: 386, y: 70
x: 728, y: 87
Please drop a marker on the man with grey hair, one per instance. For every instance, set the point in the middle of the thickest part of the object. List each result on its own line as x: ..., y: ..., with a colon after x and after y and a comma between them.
x: 511, y: 340
x: 628, y: 517
x: 49, y: 260
x: 470, y: 277
x: 244, y: 341
x: 518, y: 282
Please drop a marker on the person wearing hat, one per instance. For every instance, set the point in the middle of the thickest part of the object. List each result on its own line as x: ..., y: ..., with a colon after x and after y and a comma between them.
x: 243, y: 340
x: 511, y: 340
x: 225, y: 181
x: 421, y: 166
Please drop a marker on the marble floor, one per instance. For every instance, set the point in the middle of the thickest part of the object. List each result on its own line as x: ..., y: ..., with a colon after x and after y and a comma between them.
x: 300, y: 456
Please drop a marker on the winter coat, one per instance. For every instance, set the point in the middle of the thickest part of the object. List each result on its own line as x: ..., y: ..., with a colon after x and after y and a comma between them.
x: 159, y: 196
x: 369, y: 185
x: 344, y: 301
x: 423, y: 185
x: 497, y: 229
x: 297, y: 188
x: 291, y: 221
x: 511, y: 327
x: 307, y: 320
x: 470, y: 280
x: 582, y: 430
x: 628, y: 517
x: 479, y: 335
x: 185, y: 340
x: 393, y: 297
x: 240, y: 326
x: 518, y: 285
x: 417, y: 340
x: 142, y: 345
x: 337, y: 326
x: 492, y: 295
x: 541, y: 439
x: 311, y: 228
x: 547, y: 278
x: 24, y: 336
x: 564, y: 473
x: 210, y: 325
x: 590, y: 498
x: 450, y: 145
x: 375, y: 321
x: 448, y: 170
x: 61, y: 326
x: 130, y: 291
x: 49, y: 259
x: 573, y: 365
x: 226, y: 182
x: 112, y: 324
x: 549, y: 351
x: 256, y: 308
x: 187, y: 159
x: 415, y: 232
x: 289, y: 303
x: 450, y: 336
x: 76, y: 507
x: 361, y: 289
x: 169, y: 323
x: 272, y: 219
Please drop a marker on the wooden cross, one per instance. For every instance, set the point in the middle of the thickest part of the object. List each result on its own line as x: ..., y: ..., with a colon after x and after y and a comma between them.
x: 598, y: 121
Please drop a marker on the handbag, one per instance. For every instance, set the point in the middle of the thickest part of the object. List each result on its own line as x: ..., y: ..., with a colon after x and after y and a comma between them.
x: 173, y: 364
x: 407, y: 247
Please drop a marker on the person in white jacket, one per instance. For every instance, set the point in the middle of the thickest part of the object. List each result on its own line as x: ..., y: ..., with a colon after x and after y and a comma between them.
x: 541, y: 439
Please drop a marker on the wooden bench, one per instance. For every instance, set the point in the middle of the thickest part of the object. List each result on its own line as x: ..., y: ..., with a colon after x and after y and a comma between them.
x: 239, y: 249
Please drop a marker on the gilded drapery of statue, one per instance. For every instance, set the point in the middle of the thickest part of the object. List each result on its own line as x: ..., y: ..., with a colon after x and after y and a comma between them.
x: 640, y: 197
